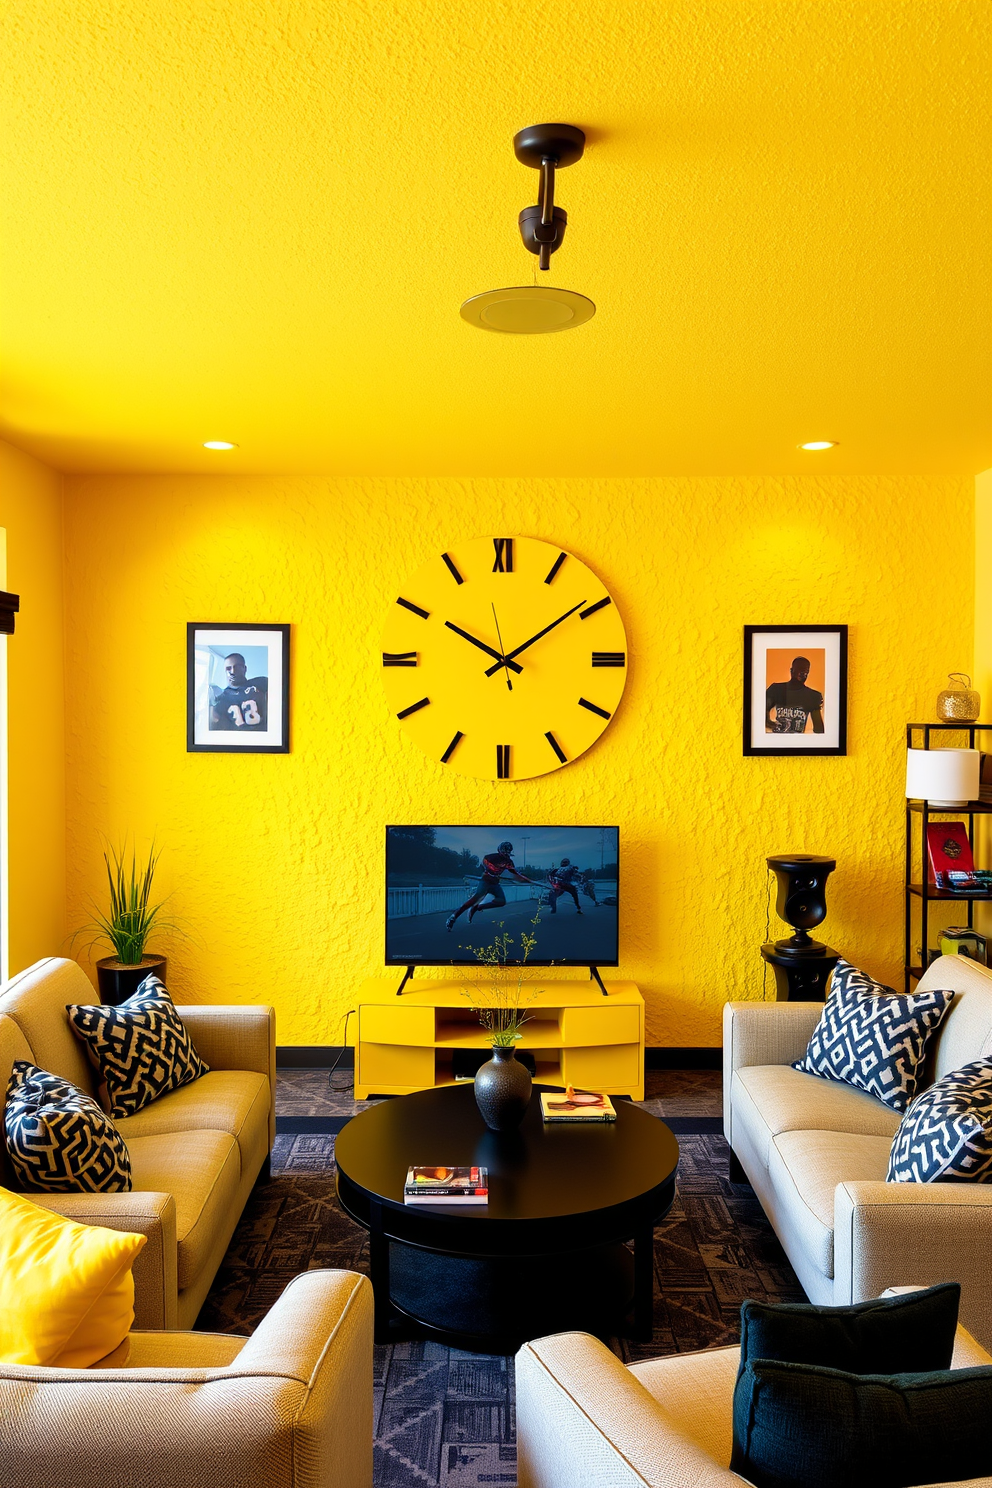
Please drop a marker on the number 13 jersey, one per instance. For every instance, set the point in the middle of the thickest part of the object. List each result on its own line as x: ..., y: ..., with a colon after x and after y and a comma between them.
x: 242, y: 707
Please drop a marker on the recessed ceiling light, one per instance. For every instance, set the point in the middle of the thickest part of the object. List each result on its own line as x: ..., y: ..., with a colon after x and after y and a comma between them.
x: 218, y: 444
x: 819, y: 444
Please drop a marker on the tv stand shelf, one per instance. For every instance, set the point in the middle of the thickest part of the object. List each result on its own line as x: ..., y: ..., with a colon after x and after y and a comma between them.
x: 576, y: 1037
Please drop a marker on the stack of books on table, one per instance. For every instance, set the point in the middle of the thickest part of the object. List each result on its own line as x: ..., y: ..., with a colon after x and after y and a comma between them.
x: 577, y: 1105
x: 459, y: 1186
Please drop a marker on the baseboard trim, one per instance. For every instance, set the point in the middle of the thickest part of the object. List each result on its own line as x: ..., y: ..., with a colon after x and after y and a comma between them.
x: 314, y: 1056
x: 322, y: 1056
x: 672, y: 1059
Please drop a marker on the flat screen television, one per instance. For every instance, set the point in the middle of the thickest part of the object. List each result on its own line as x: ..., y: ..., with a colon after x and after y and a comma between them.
x: 450, y: 889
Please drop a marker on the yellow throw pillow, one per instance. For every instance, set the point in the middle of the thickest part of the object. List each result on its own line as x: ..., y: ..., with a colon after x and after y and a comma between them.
x: 66, y: 1289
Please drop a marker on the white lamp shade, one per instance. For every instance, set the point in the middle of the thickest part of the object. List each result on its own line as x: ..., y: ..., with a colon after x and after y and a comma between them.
x: 944, y: 777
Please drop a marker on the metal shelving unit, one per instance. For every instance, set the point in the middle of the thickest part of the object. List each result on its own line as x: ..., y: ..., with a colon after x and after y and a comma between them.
x: 924, y: 890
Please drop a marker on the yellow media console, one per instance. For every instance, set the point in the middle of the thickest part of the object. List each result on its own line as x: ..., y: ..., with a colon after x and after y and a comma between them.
x: 576, y: 1035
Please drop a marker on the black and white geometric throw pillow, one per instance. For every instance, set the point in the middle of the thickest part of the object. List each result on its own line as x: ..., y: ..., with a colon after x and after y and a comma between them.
x: 872, y: 1037
x: 58, y: 1139
x: 140, y: 1049
x: 946, y: 1135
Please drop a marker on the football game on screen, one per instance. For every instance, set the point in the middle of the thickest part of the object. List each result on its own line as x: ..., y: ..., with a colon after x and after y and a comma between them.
x: 451, y: 890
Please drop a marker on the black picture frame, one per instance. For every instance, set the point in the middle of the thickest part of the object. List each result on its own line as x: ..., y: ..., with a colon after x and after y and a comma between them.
x: 206, y: 638
x: 831, y: 640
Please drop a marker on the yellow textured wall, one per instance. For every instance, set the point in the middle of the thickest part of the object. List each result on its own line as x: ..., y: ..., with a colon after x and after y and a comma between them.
x: 275, y: 863
x: 31, y: 512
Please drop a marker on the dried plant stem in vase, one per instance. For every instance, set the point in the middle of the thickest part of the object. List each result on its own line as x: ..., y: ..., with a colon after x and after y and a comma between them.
x: 502, y: 1085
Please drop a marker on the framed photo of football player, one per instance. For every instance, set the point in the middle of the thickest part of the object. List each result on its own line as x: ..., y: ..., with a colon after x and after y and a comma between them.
x: 795, y: 689
x: 237, y: 688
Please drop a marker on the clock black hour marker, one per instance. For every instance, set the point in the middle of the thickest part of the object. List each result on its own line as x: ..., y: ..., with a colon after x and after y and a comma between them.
x: 399, y: 658
x: 608, y: 658
x: 451, y: 747
x: 502, y: 761
x: 415, y: 708
x: 409, y: 605
x: 583, y: 703
x: 599, y: 605
x: 503, y: 547
x: 554, y: 742
x: 452, y: 569
x: 555, y: 567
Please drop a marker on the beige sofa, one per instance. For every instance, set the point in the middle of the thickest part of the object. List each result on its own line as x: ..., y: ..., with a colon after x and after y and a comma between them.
x: 817, y: 1152
x: 584, y: 1420
x: 195, y: 1153
x: 290, y: 1407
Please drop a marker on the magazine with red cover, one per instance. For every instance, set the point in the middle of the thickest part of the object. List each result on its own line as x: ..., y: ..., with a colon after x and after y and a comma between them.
x: 948, y: 848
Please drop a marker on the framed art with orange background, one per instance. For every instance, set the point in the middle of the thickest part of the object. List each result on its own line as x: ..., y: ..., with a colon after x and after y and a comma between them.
x: 795, y: 689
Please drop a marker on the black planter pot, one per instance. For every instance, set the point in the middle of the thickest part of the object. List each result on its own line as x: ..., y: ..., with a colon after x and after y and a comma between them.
x: 118, y: 982
x: 502, y: 1090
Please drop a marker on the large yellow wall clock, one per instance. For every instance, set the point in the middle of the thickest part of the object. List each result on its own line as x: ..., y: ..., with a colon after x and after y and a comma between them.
x: 504, y: 658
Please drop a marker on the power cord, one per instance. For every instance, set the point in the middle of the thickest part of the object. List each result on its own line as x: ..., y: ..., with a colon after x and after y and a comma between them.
x: 341, y: 1089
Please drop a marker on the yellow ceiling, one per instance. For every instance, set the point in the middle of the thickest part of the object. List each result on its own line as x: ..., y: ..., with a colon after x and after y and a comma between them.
x: 256, y: 220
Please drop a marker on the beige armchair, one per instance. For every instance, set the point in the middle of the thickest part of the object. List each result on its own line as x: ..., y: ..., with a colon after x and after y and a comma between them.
x: 290, y: 1407
x: 584, y: 1420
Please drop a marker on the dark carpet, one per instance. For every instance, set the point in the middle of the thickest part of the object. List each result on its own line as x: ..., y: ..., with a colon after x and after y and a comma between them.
x: 444, y: 1417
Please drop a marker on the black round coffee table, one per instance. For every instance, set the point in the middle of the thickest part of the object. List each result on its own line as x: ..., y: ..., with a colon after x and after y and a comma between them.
x: 544, y: 1256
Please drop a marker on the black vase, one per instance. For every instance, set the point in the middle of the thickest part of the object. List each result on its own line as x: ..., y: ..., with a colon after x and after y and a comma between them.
x: 502, y: 1090
x: 117, y: 982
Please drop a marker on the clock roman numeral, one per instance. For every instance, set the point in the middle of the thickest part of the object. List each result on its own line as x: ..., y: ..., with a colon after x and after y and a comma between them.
x: 584, y: 703
x: 416, y: 707
x: 452, y: 747
x: 502, y: 761
x: 415, y: 609
x: 556, y: 747
x: 399, y: 658
x: 503, y: 547
x: 608, y: 659
x: 555, y: 567
x: 452, y: 569
x: 599, y: 605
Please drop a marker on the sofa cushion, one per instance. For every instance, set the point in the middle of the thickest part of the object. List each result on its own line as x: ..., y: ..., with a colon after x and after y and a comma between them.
x: 966, y: 1032
x: 35, y: 1000
x: 872, y: 1037
x: 202, y: 1172
x: 773, y: 1098
x: 58, y: 1139
x: 911, y: 1331
x: 805, y: 1168
x: 141, y: 1049
x: 696, y: 1391
x: 234, y: 1101
x: 799, y: 1426
x: 66, y: 1289
x: 946, y: 1135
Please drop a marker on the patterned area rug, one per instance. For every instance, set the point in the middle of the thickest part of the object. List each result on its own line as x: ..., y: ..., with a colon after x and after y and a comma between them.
x: 444, y: 1417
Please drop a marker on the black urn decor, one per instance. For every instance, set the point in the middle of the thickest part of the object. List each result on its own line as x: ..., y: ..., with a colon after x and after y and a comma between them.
x: 502, y: 1090
x: 802, y: 966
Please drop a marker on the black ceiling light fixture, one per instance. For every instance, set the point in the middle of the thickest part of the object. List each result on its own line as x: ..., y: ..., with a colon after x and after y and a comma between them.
x: 532, y: 309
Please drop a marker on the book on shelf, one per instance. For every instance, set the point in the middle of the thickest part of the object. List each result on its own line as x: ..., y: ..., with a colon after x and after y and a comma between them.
x: 948, y: 849
x: 963, y: 880
x: 577, y: 1105
x: 440, y: 1185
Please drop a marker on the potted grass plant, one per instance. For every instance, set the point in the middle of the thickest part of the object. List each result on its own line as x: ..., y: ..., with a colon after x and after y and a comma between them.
x: 126, y: 924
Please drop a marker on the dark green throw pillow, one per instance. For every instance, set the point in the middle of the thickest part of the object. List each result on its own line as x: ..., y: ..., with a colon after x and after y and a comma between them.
x: 887, y: 1335
x: 798, y: 1426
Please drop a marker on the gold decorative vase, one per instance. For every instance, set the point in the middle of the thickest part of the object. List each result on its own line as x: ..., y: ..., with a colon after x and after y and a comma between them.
x: 959, y: 703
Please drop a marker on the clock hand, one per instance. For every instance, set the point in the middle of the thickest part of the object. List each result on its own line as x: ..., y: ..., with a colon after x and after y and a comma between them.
x: 500, y: 639
x: 514, y: 667
x: 509, y: 658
